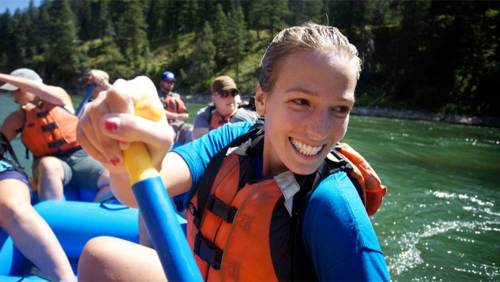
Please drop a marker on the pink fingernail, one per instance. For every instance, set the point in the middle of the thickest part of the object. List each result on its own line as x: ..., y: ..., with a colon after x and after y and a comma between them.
x: 111, y: 124
x: 114, y: 161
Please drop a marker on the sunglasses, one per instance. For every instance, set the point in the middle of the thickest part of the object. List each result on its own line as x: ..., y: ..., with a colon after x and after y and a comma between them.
x: 225, y: 94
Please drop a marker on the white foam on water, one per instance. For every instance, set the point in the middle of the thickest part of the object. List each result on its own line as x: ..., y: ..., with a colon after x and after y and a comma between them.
x: 410, y: 255
x: 473, y: 199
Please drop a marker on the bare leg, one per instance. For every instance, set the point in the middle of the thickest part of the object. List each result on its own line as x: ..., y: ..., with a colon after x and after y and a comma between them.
x: 113, y: 259
x: 50, y: 179
x: 31, y: 234
x: 103, y: 184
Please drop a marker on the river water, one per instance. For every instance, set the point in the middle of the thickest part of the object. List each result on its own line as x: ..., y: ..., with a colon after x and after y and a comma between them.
x: 440, y: 220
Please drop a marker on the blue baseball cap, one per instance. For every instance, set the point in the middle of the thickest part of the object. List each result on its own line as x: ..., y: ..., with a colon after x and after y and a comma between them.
x: 168, y: 76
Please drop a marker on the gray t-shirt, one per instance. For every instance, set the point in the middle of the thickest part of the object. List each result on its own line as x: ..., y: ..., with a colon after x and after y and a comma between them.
x: 202, y: 119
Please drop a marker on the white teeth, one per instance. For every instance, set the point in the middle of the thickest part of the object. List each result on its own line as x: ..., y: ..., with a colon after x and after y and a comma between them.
x: 305, y: 149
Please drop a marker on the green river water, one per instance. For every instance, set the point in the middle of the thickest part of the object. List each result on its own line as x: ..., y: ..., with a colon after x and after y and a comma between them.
x: 440, y: 220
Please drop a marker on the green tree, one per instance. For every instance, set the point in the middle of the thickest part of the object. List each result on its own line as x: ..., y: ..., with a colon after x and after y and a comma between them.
x: 237, y: 40
x: 61, y: 55
x: 258, y: 18
x: 203, y: 58
x: 7, y: 49
x: 155, y: 18
x: 130, y: 34
x: 278, y: 11
x: 220, y: 30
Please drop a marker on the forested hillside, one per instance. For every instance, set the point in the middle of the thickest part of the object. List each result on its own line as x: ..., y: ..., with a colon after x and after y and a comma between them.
x: 440, y: 56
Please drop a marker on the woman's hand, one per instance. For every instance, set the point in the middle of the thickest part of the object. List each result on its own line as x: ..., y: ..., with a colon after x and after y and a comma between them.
x: 108, y: 125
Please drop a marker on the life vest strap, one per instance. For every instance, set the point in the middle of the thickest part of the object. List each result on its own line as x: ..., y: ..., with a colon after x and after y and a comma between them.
x: 49, y: 127
x: 208, y: 251
x: 57, y: 143
x: 221, y: 209
x: 42, y: 114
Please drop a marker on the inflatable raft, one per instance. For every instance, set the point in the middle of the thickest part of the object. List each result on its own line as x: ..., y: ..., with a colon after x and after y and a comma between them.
x: 74, y: 223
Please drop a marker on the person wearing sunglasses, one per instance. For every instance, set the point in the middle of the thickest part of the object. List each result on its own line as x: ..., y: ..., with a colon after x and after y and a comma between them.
x: 224, y: 108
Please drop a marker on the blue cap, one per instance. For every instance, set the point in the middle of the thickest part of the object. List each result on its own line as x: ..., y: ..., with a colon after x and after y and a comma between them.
x: 168, y: 76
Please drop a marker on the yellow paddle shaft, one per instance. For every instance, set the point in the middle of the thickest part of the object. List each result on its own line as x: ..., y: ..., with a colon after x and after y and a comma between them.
x: 136, y: 156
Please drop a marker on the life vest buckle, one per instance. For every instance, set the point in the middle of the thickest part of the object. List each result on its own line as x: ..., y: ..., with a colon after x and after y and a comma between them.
x: 208, y: 251
x: 221, y: 209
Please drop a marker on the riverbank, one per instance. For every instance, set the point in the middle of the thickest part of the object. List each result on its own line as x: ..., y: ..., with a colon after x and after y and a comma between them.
x: 393, y: 113
x: 416, y: 115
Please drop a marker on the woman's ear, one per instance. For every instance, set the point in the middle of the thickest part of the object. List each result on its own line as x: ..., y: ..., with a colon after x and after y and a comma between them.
x: 260, y: 100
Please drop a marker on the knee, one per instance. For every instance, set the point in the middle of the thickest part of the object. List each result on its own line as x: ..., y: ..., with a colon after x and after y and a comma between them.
x: 12, y: 208
x: 49, y: 166
x: 92, y: 258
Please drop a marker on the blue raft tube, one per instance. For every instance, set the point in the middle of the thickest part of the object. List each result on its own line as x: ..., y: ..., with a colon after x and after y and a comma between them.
x: 166, y: 228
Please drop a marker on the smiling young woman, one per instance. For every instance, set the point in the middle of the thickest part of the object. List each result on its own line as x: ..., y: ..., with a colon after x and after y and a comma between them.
x: 274, y: 184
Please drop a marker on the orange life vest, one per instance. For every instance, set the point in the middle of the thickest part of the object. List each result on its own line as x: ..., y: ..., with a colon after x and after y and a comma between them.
x: 230, y: 217
x: 49, y: 130
x: 174, y: 105
x: 217, y: 120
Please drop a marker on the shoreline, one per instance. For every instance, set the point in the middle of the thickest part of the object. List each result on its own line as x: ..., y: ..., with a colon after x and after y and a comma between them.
x: 490, y: 121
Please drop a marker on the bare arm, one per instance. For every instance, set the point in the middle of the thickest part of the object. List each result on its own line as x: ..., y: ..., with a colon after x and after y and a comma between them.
x: 12, y: 124
x: 52, y: 94
x: 177, y: 116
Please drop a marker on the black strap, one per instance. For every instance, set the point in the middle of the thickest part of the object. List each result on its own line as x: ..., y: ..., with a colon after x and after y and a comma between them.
x: 207, y: 251
x: 205, y: 185
x: 6, y: 146
x: 42, y: 114
x: 221, y: 209
x: 49, y: 127
x: 57, y: 143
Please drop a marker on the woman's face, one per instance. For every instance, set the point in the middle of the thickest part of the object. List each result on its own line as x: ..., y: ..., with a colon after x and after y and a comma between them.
x: 307, y: 111
x: 22, y: 97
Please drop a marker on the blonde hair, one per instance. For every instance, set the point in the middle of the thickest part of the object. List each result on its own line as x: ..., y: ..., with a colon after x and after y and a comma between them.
x: 98, y: 74
x: 307, y: 37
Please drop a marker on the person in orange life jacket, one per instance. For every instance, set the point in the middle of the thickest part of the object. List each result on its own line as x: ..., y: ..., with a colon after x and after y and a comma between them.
x: 30, y: 232
x: 297, y: 230
x: 175, y: 109
x: 47, y: 125
x: 224, y: 108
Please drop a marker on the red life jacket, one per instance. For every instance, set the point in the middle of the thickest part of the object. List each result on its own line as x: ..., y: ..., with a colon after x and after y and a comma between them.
x: 49, y: 130
x: 234, y: 222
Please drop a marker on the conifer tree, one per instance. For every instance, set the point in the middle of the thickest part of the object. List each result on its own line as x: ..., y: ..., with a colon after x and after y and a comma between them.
x: 278, y: 11
x: 155, y: 18
x: 258, y: 15
x: 100, y: 24
x: 130, y: 28
x: 6, y: 33
x: 220, y: 29
x: 237, y: 39
x: 62, y: 55
x: 203, y: 58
